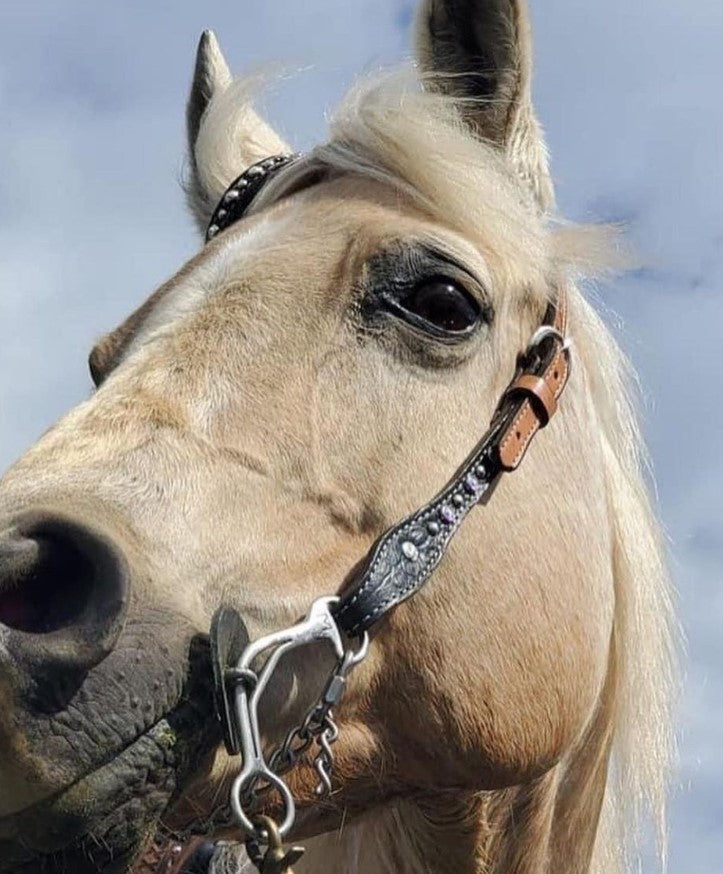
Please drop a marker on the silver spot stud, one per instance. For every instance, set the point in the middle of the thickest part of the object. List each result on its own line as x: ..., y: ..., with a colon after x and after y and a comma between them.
x: 243, y: 183
x: 481, y: 470
x: 221, y: 214
x: 255, y: 171
x: 231, y: 195
x: 457, y: 499
x: 212, y: 231
x: 410, y: 551
x: 433, y: 528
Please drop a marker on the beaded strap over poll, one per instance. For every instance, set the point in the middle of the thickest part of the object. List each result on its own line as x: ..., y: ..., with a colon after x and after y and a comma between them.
x: 240, y: 194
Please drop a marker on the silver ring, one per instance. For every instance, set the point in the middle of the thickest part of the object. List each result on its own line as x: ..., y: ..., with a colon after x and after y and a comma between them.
x: 545, y: 331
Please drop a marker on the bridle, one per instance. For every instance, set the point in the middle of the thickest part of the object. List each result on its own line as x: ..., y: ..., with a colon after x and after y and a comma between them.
x: 396, y: 567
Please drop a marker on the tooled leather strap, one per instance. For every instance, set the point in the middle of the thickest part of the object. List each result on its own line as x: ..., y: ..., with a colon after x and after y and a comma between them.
x: 404, y: 558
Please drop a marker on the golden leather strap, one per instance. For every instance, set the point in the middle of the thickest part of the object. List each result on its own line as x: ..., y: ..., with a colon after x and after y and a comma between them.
x: 537, y: 386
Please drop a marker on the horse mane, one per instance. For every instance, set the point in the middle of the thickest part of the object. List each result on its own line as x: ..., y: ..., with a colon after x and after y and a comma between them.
x: 645, y: 630
x: 390, y: 130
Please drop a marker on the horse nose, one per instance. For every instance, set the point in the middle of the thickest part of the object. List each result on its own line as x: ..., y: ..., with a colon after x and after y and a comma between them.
x: 64, y: 589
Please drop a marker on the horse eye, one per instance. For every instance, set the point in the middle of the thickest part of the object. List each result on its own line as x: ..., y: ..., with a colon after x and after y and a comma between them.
x: 442, y: 305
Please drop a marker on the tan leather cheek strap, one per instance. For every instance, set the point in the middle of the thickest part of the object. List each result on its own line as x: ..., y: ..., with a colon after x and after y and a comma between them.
x: 539, y: 394
x: 536, y: 389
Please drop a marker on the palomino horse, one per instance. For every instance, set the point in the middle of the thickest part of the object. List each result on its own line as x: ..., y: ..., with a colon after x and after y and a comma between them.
x: 315, y: 373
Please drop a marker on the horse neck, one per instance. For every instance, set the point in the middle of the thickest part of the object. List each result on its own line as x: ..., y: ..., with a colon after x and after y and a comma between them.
x: 547, y: 826
x: 501, y: 832
x: 406, y: 837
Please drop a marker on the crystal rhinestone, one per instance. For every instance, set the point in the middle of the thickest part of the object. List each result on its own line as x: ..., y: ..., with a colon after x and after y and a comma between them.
x: 255, y: 171
x: 212, y: 231
x: 241, y: 184
x: 231, y: 196
x: 446, y: 514
x: 410, y: 551
x: 457, y: 499
x: 433, y: 528
x: 472, y: 484
x: 221, y: 214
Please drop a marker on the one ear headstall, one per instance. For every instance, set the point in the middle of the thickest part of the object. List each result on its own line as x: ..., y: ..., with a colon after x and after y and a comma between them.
x: 397, y: 566
x: 240, y: 194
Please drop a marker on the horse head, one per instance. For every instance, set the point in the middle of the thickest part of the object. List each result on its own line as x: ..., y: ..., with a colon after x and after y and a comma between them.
x: 316, y: 372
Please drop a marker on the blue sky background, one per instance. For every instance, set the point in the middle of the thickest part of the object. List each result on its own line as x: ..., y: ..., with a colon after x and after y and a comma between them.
x: 92, y: 219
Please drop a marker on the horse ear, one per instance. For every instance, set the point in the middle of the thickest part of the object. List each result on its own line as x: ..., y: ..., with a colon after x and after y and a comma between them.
x: 225, y: 134
x: 481, y: 52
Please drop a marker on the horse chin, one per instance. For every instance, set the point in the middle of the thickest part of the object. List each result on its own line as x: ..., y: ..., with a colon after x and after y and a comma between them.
x: 102, y: 822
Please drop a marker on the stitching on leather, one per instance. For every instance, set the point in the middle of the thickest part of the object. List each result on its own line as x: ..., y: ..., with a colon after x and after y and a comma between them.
x: 511, y: 438
x: 528, y: 435
x: 560, y: 363
x: 433, y: 557
x: 399, y: 596
x: 360, y: 591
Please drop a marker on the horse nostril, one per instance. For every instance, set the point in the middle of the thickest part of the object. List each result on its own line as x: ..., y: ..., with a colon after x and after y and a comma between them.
x: 61, y: 577
x: 47, y: 586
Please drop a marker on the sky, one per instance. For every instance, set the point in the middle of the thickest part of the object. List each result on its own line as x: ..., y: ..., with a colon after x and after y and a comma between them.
x: 92, y: 219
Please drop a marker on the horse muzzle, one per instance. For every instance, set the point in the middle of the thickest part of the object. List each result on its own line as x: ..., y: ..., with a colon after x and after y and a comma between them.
x: 64, y: 594
x: 107, y: 709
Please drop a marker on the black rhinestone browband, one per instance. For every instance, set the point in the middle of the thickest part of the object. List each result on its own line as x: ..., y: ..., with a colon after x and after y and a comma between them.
x: 239, y: 196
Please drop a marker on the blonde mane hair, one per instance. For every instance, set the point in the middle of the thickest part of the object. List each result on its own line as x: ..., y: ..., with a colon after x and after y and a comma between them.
x: 390, y: 130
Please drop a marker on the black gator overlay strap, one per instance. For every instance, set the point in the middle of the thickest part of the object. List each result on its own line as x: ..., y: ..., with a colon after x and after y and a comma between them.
x: 241, y: 192
x: 404, y: 557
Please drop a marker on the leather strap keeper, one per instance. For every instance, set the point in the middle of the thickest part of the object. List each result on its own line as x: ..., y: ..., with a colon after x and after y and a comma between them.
x: 531, y: 399
x: 539, y: 393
